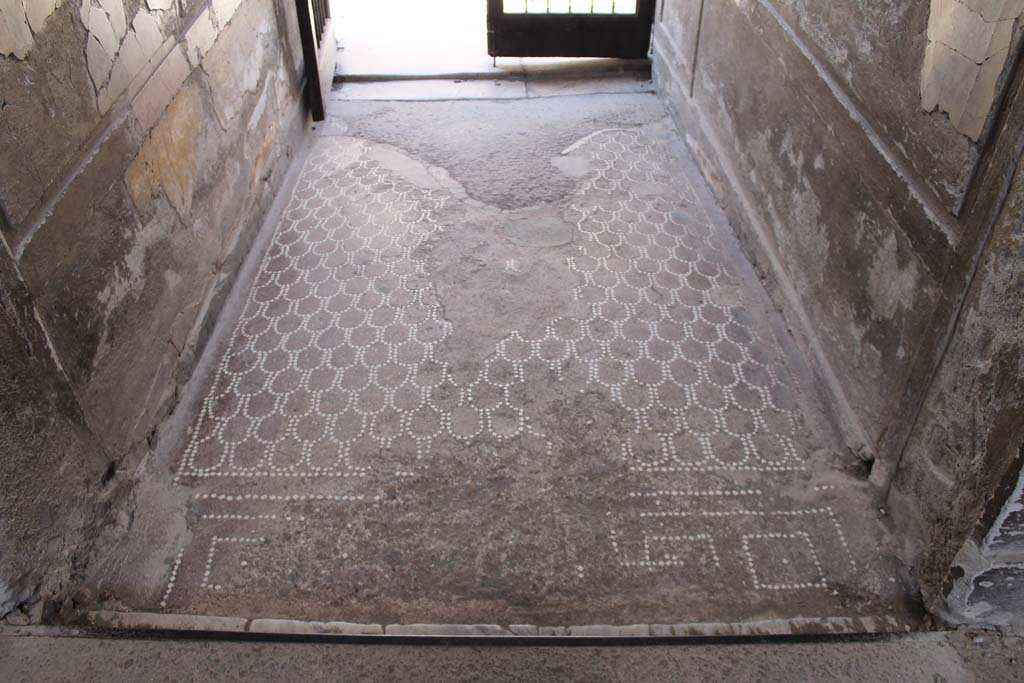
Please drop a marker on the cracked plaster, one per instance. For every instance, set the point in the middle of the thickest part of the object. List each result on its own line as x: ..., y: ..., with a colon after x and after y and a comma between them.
x: 968, y: 45
x: 19, y: 21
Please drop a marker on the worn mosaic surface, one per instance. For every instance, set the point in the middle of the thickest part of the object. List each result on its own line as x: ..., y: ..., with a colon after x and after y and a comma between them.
x: 435, y: 410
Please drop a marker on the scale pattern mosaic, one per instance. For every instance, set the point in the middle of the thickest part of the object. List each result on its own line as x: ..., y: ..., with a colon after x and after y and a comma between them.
x: 337, y: 392
x: 335, y: 357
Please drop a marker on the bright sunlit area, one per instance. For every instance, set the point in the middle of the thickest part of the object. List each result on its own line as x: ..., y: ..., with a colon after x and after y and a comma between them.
x: 420, y: 39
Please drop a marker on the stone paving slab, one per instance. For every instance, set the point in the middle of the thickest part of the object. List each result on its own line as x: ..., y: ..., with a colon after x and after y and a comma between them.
x: 509, y: 88
x: 435, y: 410
x: 164, y: 622
x: 952, y: 657
x: 451, y: 89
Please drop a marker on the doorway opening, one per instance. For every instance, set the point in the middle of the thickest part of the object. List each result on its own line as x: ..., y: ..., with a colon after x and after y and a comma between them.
x: 411, y: 39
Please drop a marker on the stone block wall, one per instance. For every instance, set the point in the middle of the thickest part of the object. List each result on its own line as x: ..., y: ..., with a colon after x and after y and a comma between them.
x: 142, y: 143
x: 863, y: 149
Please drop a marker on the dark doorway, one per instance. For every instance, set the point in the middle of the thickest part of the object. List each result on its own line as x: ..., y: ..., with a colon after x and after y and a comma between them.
x: 569, y: 28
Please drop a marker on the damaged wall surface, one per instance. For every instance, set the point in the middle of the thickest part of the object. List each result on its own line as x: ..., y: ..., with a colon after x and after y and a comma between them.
x: 988, y: 590
x: 968, y: 45
x: 50, y: 457
x: 143, y: 141
x: 864, y: 175
x: 963, y: 460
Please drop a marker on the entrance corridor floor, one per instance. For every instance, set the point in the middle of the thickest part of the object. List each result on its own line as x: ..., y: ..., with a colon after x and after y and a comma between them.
x: 503, y: 362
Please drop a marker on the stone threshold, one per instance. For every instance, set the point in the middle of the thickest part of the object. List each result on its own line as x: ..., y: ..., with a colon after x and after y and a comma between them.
x: 517, y: 88
x: 547, y: 69
x: 814, y: 628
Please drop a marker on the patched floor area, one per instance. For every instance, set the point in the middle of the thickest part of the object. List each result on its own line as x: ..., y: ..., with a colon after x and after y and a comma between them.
x: 445, y: 403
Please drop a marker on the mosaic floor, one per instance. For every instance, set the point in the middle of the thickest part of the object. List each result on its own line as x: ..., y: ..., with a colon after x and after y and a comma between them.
x: 432, y: 409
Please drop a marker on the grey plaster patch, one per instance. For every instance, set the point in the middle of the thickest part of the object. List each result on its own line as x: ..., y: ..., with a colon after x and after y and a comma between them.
x: 495, y: 149
x: 572, y: 166
x: 540, y: 227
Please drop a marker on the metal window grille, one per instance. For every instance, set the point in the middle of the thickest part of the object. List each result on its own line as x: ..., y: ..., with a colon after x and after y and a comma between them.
x: 569, y: 6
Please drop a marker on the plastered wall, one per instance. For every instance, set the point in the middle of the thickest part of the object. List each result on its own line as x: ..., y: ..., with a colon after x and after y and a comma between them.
x: 863, y: 150
x: 962, y: 463
x: 141, y: 143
